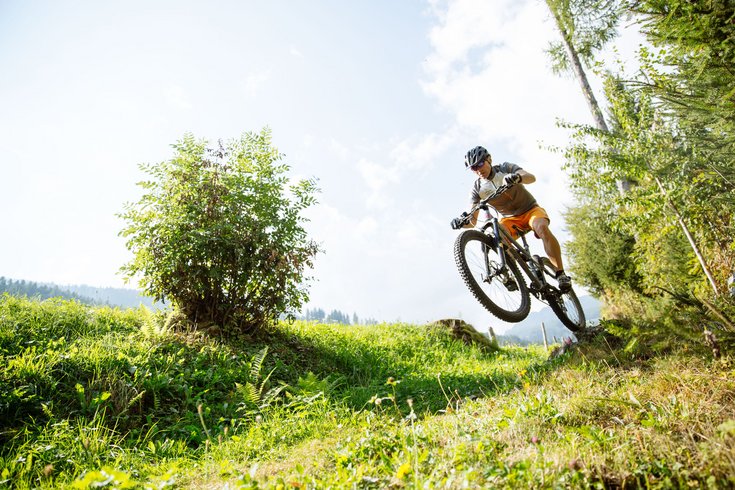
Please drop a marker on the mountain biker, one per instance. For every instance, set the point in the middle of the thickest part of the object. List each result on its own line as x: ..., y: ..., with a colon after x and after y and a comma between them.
x: 517, y: 206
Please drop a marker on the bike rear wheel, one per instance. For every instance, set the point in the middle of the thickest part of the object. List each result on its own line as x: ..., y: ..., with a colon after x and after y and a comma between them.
x: 566, y: 306
x: 501, y: 290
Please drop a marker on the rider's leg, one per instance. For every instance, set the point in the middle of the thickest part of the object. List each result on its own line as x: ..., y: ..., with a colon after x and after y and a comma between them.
x: 551, y: 244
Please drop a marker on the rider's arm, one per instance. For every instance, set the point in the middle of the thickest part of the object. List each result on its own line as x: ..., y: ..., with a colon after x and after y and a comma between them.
x: 473, y: 220
x: 526, y: 177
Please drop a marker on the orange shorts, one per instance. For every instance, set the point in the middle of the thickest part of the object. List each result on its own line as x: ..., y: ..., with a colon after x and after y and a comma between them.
x: 523, y: 221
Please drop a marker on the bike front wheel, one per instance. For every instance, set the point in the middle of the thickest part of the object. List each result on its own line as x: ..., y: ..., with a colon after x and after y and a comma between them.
x: 500, y: 289
x: 566, y: 306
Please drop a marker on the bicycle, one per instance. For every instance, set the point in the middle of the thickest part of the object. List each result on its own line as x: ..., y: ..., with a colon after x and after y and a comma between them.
x: 488, y: 260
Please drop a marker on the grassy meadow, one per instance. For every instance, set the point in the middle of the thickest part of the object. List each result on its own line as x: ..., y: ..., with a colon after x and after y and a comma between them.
x: 95, y: 397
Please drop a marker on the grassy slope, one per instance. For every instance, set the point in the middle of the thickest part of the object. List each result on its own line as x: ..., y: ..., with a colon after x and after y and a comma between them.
x: 95, y: 394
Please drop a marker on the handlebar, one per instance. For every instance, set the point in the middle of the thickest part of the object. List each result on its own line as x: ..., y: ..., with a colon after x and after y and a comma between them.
x: 465, y: 218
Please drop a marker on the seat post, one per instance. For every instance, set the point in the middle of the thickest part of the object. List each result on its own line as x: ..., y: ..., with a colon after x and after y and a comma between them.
x: 522, y: 236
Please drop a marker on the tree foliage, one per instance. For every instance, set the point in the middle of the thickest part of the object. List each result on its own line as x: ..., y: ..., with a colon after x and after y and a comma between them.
x: 669, y: 241
x: 41, y: 291
x: 219, y: 232
x: 600, y: 253
x: 589, y: 26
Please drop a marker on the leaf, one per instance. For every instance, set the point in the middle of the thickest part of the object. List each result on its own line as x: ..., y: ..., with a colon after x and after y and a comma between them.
x: 634, y: 400
x: 727, y: 428
x: 257, y: 364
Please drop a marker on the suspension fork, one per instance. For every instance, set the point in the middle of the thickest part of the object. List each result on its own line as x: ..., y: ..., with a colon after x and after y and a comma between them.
x: 498, y: 239
x: 499, y: 243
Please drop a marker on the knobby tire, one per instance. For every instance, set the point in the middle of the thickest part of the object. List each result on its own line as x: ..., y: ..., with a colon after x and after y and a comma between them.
x: 566, y: 306
x: 509, y: 306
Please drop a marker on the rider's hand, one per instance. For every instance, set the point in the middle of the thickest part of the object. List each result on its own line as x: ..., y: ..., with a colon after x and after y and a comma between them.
x: 458, y: 223
x: 511, y: 179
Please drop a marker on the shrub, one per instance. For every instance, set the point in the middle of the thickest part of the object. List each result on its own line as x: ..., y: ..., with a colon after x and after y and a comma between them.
x: 218, y: 233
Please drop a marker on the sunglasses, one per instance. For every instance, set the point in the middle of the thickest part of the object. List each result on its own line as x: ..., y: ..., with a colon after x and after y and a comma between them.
x: 477, y: 167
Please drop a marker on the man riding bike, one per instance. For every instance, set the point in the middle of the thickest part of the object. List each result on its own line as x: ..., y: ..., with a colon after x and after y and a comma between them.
x: 517, y: 206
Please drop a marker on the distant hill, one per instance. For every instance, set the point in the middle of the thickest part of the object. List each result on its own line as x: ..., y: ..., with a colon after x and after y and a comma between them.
x: 529, y: 330
x: 124, y: 298
x: 41, y: 291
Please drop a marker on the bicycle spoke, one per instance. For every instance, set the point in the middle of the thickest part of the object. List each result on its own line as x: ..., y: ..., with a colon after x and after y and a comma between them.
x: 499, y: 288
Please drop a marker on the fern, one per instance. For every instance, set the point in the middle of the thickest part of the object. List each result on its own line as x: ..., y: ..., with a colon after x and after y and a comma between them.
x: 156, y: 402
x: 257, y: 364
x: 255, y: 397
x: 252, y: 396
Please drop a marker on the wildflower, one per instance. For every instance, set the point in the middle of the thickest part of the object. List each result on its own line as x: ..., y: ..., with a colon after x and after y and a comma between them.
x: 404, y: 469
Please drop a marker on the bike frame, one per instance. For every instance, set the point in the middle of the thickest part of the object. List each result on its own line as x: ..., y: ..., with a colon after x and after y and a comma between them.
x: 531, y: 266
x: 521, y: 253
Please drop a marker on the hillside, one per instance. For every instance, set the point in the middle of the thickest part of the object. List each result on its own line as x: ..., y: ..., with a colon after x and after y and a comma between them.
x: 529, y: 330
x: 98, y: 397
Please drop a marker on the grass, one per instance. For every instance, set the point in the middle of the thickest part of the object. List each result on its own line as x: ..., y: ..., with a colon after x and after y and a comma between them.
x: 94, y: 397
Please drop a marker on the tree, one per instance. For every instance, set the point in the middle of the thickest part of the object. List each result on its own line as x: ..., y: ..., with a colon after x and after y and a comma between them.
x: 219, y: 233
x: 600, y: 253
x: 585, y: 27
x: 699, y: 42
x: 648, y: 142
x: 337, y: 316
x: 316, y: 314
x: 696, y: 83
x: 691, y: 77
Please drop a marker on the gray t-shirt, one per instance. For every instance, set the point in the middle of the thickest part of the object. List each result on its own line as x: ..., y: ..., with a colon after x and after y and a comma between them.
x: 513, y: 202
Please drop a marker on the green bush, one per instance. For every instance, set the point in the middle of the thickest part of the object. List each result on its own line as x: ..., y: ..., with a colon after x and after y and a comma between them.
x: 218, y: 232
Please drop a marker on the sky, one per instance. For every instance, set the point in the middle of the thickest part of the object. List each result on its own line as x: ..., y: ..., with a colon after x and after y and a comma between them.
x: 379, y: 100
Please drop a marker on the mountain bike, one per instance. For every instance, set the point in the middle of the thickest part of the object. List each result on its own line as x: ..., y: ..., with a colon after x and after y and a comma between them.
x: 490, y: 262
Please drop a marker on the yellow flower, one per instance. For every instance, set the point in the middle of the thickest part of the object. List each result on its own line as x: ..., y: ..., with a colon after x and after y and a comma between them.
x: 403, y: 471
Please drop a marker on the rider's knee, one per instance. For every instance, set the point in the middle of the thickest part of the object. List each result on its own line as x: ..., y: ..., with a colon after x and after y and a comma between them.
x: 541, y: 228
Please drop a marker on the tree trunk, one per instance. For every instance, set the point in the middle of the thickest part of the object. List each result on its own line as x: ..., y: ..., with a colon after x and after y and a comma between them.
x: 689, y: 237
x: 589, y: 96
x: 579, y: 72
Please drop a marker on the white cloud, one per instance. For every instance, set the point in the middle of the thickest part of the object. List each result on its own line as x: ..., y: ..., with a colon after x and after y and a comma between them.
x: 177, y: 97
x: 423, y: 151
x: 499, y: 85
x: 366, y: 227
x: 463, y: 26
x: 508, y: 92
x: 255, y: 81
x: 338, y: 149
x: 377, y: 177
